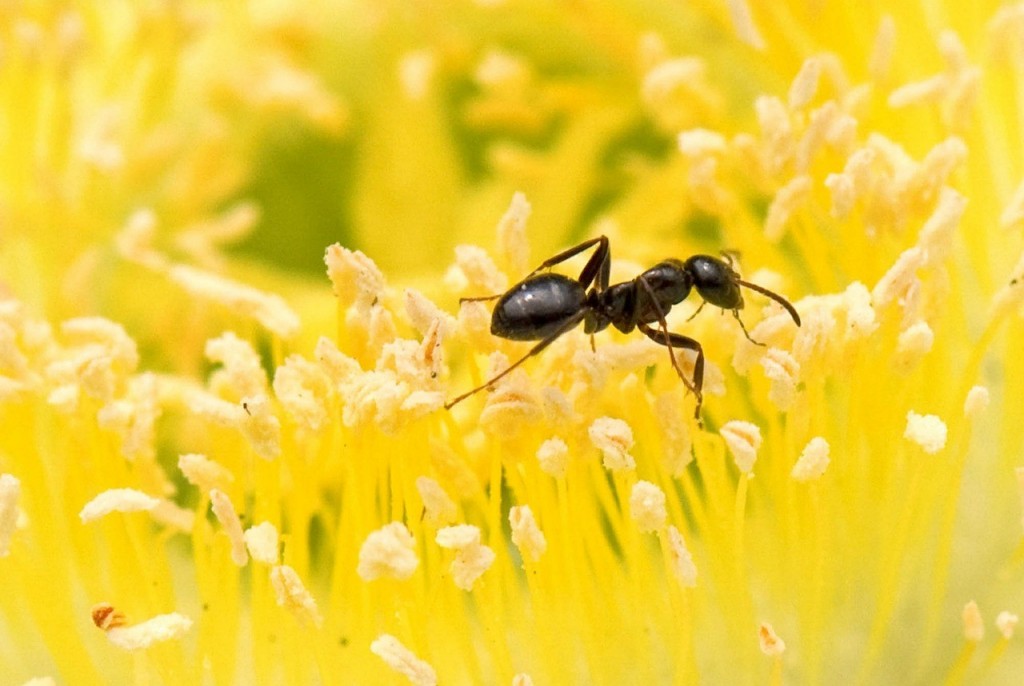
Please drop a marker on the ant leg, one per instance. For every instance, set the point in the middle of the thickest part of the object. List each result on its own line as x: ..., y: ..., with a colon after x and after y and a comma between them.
x: 702, y: 304
x: 671, y: 340
x: 674, y: 340
x: 598, y: 266
x: 736, y: 313
x: 533, y: 351
x: 480, y: 298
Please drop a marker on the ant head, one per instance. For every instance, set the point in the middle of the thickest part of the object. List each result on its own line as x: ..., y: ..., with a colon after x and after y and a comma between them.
x: 715, y: 281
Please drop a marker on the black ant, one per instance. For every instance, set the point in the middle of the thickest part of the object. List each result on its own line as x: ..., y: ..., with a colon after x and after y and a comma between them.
x: 542, y: 307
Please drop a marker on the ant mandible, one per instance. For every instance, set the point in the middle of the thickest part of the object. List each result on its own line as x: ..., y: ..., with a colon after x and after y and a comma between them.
x: 542, y: 307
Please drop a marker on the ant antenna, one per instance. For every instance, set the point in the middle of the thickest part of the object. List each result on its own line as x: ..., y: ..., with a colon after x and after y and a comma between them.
x: 774, y: 296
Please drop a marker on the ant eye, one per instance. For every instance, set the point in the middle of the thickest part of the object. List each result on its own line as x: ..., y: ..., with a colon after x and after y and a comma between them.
x: 715, y: 281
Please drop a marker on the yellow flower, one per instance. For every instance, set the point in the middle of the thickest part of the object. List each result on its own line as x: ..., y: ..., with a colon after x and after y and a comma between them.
x: 212, y: 473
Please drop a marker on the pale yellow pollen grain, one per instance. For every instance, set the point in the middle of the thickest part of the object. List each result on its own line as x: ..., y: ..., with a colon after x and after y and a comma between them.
x: 292, y: 595
x: 158, y: 629
x: 261, y: 426
x: 974, y: 626
x: 416, y: 72
x: 241, y: 372
x: 116, y: 500
x: 782, y: 369
x: 682, y: 561
x: 913, y: 344
x: 743, y: 440
x: 225, y: 513
x: 526, y: 535
x: 1006, y: 622
x: 1019, y: 473
x: 553, y: 456
x: 813, y: 461
x: 513, y: 246
x: 928, y: 431
x: 474, y: 272
x: 355, y: 278
x: 262, y: 542
x: 788, y: 200
x: 270, y: 310
x: 204, y: 473
x: 438, y: 508
x: 805, y: 84
x: 388, y: 552
x: 613, y: 437
x: 770, y: 643
x: 976, y: 402
x: 647, y: 507
x: 10, y: 491
x: 404, y: 661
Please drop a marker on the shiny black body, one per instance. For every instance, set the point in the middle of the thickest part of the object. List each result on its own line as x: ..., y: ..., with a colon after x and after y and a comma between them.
x: 543, y: 306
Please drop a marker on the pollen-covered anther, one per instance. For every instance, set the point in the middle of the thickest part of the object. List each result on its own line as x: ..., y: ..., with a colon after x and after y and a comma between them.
x: 423, y: 314
x: 682, y: 561
x: 1006, y: 622
x: 522, y: 680
x: 976, y: 402
x: 304, y: 390
x: 974, y: 625
x: 388, y: 552
x: 697, y: 144
x: 472, y: 558
x: 513, y: 245
x: 105, y: 617
x: 10, y: 491
x: 882, y: 49
x: 787, y: 202
x: 783, y: 371
x: 142, y: 635
x: 474, y: 272
x: 438, y: 508
x: 613, y: 437
x: 526, y: 535
x: 404, y: 661
x: 896, y: 283
x: 813, y: 461
x: 134, y: 242
x: 262, y: 542
x: 805, y: 85
x: 1013, y: 214
x: 553, y: 456
x: 116, y: 500
x: 936, y: 236
x: 647, y: 507
x: 924, y: 91
x: 355, y: 278
x: 270, y: 310
x: 666, y: 80
x: 743, y: 440
x: 928, y: 431
x: 777, y: 132
x: 261, y: 426
x: 225, y: 513
x: 416, y: 72
x: 241, y: 372
x: 204, y: 473
x: 771, y: 644
x: 293, y: 596
x: 913, y: 344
